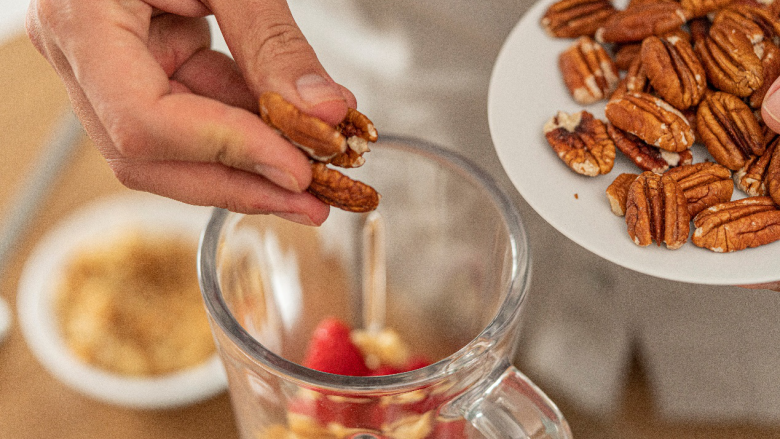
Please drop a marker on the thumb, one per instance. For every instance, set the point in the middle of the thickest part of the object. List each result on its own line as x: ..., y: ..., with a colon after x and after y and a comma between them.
x: 273, y: 54
x: 770, y: 108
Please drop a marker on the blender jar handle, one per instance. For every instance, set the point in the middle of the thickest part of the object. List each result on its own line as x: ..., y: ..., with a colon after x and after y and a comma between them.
x: 514, y: 407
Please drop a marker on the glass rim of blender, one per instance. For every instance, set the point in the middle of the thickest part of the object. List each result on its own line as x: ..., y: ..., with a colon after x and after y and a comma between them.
x: 500, y: 323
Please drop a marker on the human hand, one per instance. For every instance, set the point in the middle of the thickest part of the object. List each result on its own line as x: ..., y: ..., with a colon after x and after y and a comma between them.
x: 173, y: 117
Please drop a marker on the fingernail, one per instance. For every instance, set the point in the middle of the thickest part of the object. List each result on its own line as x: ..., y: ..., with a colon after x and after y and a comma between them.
x: 295, y: 217
x: 314, y: 89
x: 280, y: 177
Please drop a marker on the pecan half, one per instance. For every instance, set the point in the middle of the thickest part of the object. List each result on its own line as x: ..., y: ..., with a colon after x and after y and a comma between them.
x: 635, y: 79
x: 770, y: 63
x: 640, y: 21
x: 773, y: 176
x: 704, y: 184
x: 751, y: 178
x: 342, y: 145
x: 737, y: 225
x: 757, y: 23
x: 575, y: 18
x: 582, y: 142
x: 674, y: 70
x: 617, y: 192
x: 728, y: 129
x: 625, y: 55
x: 730, y: 61
x: 656, y: 210
x: 700, y: 8
x: 588, y: 71
x: 647, y: 157
x: 314, y: 136
x: 359, y: 131
x: 336, y: 189
x: 651, y: 119
x: 635, y: 3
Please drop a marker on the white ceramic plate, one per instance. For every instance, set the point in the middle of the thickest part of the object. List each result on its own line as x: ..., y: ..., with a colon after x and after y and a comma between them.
x: 526, y: 89
x: 36, y: 314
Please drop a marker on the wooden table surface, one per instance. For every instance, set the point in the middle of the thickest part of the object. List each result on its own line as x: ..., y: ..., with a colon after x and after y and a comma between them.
x: 33, y: 404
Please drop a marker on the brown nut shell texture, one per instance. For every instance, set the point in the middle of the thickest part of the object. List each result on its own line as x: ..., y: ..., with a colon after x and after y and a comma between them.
x: 773, y: 176
x: 656, y: 210
x: 770, y: 63
x: 651, y: 119
x: 737, y: 225
x: 313, y: 135
x: 729, y: 129
x: 588, y: 71
x: 336, y: 189
x: 757, y: 23
x: 638, y: 22
x: 359, y: 131
x: 674, y: 70
x: 343, y: 145
x: 617, y: 192
x: 704, y: 184
x: 647, y: 157
x: 635, y: 79
x: 700, y: 8
x: 752, y: 178
x: 582, y: 142
x: 575, y: 18
x: 730, y: 61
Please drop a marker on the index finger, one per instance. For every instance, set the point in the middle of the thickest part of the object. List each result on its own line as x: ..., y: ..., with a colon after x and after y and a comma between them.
x: 131, y: 95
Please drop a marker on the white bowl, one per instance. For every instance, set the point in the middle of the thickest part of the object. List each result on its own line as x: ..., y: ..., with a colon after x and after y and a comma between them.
x: 107, y: 218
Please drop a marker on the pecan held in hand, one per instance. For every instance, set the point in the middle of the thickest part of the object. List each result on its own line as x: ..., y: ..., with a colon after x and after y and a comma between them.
x: 656, y: 210
x: 336, y: 189
x: 319, y: 140
x: 343, y: 145
x: 582, y: 142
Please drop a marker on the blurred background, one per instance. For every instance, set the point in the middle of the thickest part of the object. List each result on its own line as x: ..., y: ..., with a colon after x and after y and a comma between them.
x: 624, y: 355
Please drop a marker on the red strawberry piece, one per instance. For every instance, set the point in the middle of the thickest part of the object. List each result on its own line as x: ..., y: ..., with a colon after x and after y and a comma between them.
x: 333, y: 409
x: 416, y: 362
x: 331, y: 350
x: 449, y: 430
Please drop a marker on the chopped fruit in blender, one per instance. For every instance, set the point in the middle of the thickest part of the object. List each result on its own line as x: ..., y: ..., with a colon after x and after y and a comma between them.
x: 331, y: 350
x: 336, y: 348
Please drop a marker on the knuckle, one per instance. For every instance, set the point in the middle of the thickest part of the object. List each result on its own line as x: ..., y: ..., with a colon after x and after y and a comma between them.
x: 126, y: 174
x: 280, y: 39
x: 128, y: 138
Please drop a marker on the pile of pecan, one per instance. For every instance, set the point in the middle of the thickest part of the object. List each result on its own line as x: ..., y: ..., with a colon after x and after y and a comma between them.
x: 675, y: 75
x: 342, y: 145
